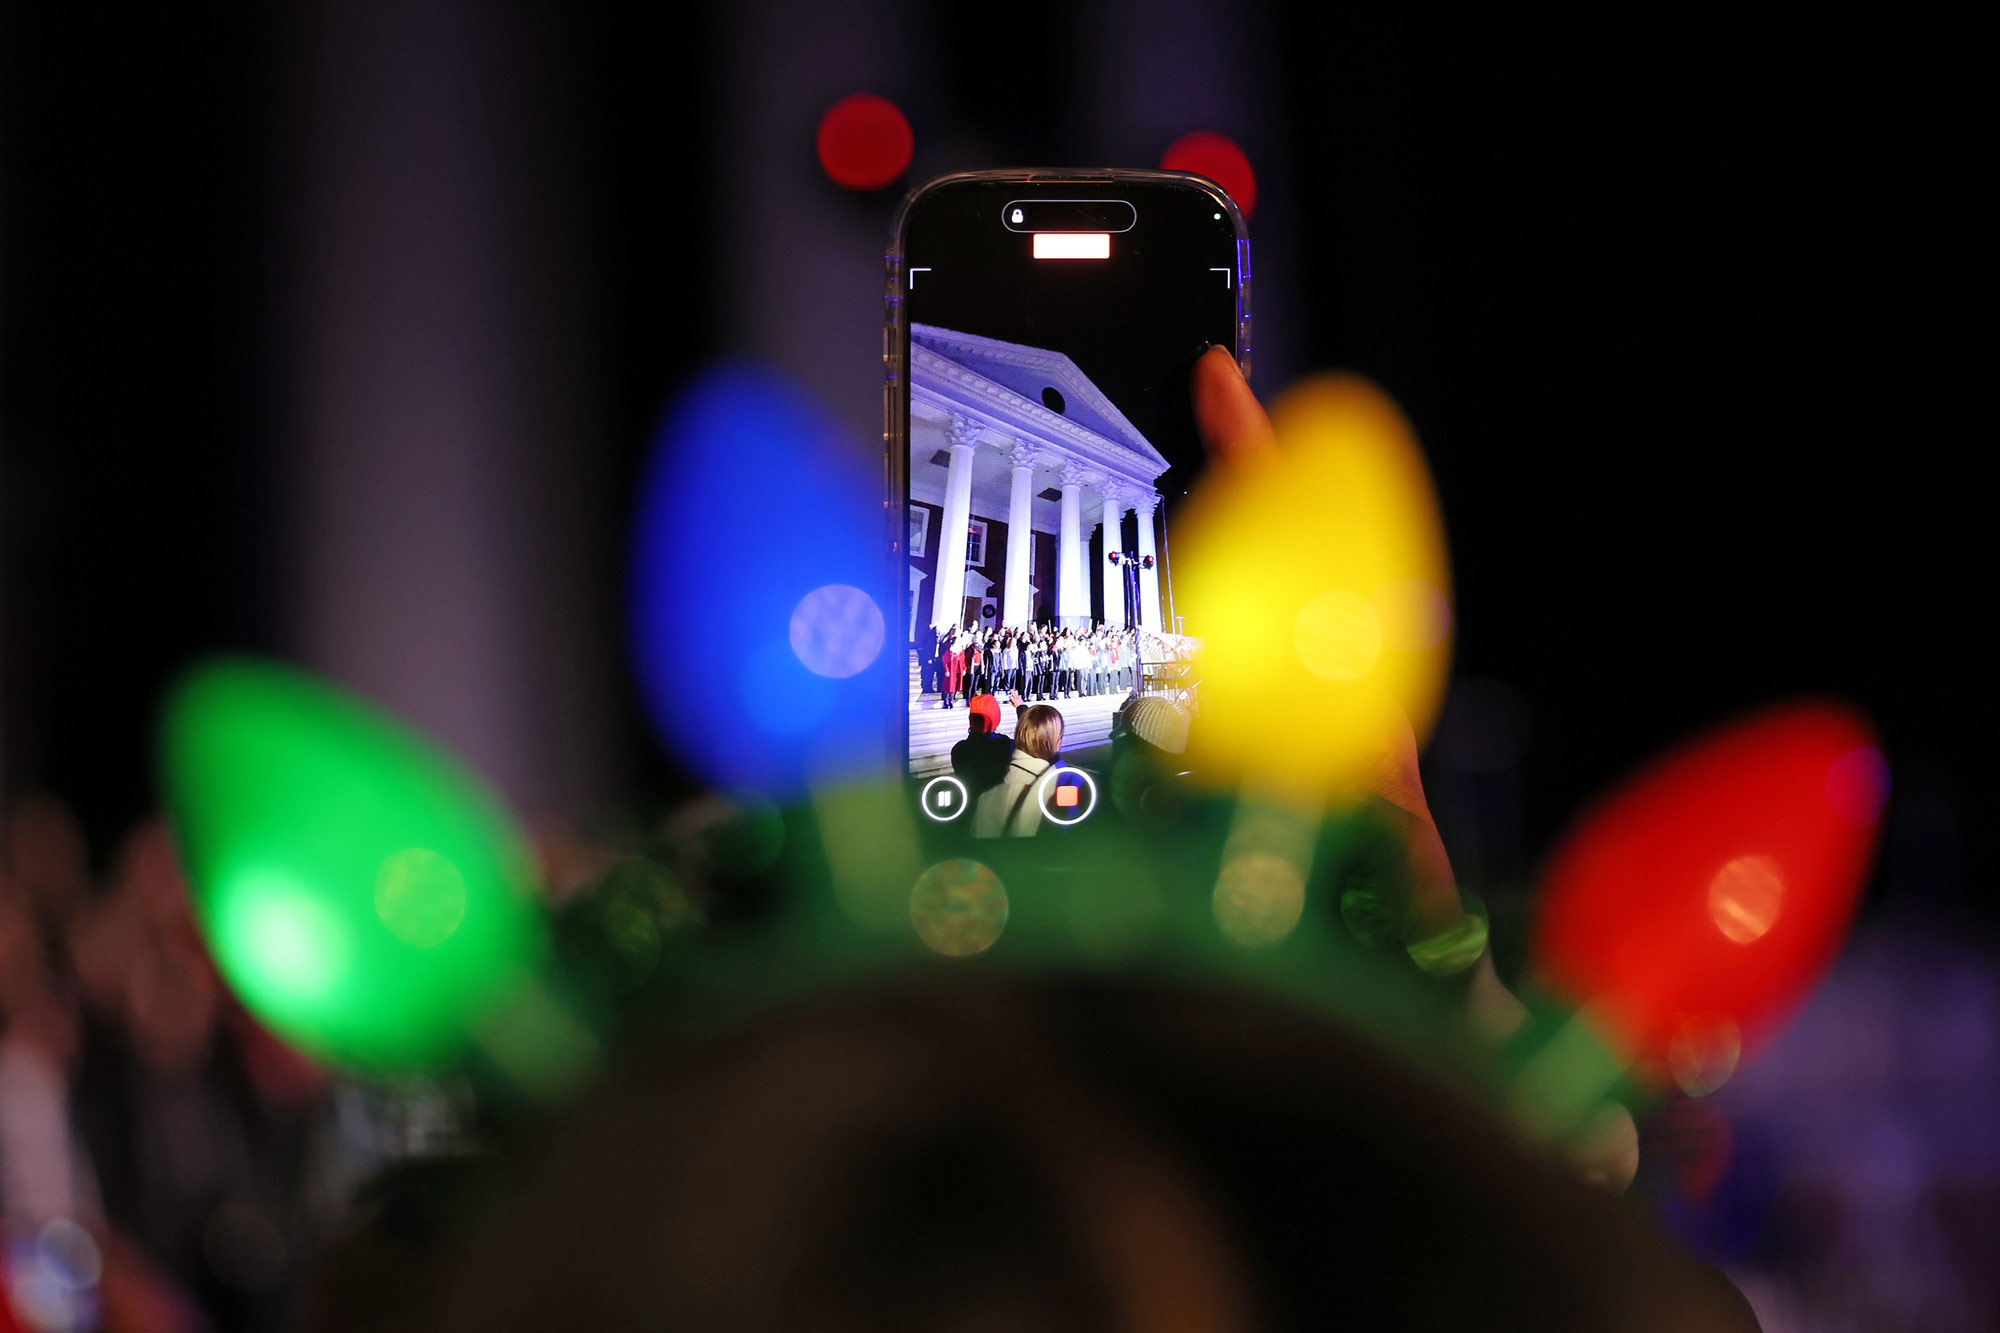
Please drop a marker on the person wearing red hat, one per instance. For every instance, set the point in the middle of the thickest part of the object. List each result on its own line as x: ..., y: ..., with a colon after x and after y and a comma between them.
x: 980, y: 760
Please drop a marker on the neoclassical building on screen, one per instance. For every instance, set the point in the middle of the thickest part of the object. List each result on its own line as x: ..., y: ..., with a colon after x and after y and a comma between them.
x: 1021, y: 466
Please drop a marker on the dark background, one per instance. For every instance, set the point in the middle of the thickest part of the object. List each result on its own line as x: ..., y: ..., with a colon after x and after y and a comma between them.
x: 1695, y: 321
x: 339, y: 331
x: 1694, y: 318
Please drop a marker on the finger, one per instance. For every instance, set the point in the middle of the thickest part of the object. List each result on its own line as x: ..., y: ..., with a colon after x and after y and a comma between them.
x: 1396, y: 778
x: 1232, y: 423
x: 1236, y: 432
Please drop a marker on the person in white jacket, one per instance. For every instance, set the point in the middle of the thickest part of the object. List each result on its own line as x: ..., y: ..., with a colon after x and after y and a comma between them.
x: 1013, y: 808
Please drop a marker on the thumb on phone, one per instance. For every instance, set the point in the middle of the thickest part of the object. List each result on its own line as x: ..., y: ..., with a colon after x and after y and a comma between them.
x: 1233, y: 427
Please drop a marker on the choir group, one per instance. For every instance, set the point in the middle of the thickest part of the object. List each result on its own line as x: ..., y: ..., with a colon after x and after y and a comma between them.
x: 1038, y: 662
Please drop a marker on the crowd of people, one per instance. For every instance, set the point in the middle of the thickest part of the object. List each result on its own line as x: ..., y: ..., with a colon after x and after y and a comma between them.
x: 999, y: 771
x: 1038, y: 662
x: 165, y: 1163
x: 1002, y: 773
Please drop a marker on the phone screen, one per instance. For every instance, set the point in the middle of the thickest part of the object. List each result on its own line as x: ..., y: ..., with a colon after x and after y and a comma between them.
x: 1048, y: 330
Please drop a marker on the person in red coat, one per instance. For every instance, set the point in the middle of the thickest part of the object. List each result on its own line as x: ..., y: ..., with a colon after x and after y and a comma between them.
x: 954, y: 666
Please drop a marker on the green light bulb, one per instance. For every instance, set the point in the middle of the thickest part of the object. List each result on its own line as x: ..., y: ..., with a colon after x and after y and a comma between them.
x: 362, y: 893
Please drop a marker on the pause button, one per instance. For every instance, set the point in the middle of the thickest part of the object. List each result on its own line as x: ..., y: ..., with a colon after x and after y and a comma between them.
x: 944, y: 798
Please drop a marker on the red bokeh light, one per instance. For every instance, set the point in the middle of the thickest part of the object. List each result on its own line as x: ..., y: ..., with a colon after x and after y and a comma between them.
x: 864, y: 142
x: 1217, y: 157
x: 1718, y: 883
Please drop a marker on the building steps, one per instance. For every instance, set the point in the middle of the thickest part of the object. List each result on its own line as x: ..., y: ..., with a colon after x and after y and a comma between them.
x: 934, y: 729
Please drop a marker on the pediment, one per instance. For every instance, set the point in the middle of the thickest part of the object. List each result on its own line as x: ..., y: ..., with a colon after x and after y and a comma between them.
x: 1010, y: 377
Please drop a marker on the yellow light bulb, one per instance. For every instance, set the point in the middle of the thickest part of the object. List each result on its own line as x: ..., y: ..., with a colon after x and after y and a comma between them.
x: 1317, y: 581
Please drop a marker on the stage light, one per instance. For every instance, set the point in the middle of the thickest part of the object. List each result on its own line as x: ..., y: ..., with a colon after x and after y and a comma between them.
x: 361, y: 893
x: 864, y: 142
x: 1699, y: 902
x: 758, y: 588
x: 1217, y: 157
x: 1317, y: 579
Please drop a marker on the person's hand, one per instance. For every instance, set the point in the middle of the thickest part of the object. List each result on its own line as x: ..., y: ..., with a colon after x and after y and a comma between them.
x: 1234, y: 429
x: 1236, y: 433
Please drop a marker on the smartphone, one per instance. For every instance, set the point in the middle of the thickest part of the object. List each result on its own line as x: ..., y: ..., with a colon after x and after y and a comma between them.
x: 1041, y: 329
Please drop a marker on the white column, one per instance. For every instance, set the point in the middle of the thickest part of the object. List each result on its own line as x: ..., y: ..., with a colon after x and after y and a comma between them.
x: 1149, y: 579
x: 1072, y: 591
x: 1015, y: 599
x: 948, y: 602
x: 1113, y: 575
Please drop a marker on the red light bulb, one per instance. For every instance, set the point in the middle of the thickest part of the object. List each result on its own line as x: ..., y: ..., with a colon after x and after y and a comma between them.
x: 1217, y: 157
x: 1699, y: 901
x: 864, y: 142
